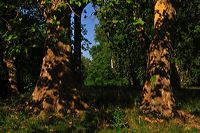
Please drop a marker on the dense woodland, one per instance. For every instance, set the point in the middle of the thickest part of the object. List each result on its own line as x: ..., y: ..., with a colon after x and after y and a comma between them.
x: 143, y: 75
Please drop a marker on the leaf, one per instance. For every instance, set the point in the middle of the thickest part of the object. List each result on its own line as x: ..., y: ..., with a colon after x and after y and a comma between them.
x: 34, y: 45
x: 14, y: 37
x: 57, y: 22
x: 153, y: 81
x: 78, y: 3
x: 14, y: 58
x: 4, y: 35
x: 47, y: 1
x: 153, y: 78
x: 33, y: 29
x: 115, y: 21
x: 54, y: 17
x: 138, y: 21
x: 129, y: 1
x: 9, y: 38
x: 85, y: 1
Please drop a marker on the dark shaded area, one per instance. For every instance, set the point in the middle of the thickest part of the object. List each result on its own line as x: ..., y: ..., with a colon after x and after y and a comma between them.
x: 3, y: 80
x: 175, y: 78
x: 77, y: 44
x: 102, y: 98
x: 187, y: 96
x: 126, y: 96
x: 123, y: 96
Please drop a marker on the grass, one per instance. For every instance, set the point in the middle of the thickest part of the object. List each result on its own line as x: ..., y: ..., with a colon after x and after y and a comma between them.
x: 104, y: 118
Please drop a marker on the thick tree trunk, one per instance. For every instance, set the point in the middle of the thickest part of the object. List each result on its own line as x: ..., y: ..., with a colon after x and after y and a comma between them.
x: 157, y: 93
x: 56, y: 81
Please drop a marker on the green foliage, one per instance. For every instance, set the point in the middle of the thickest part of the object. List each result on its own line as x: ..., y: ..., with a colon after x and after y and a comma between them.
x: 139, y: 21
x: 85, y: 63
x: 47, y: 2
x: 99, y: 71
x: 119, y: 24
x: 21, y: 39
x: 153, y: 81
x: 118, y: 120
x: 187, y: 44
x: 79, y: 2
x: 16, y: 35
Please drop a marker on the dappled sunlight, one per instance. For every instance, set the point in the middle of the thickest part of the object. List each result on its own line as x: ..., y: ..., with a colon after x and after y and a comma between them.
x: 159, y: 94
x: 142, y: 75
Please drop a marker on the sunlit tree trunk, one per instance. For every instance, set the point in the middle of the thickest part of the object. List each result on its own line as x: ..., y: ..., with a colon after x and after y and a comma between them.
x: 157, y: 91
x: 56, y: 81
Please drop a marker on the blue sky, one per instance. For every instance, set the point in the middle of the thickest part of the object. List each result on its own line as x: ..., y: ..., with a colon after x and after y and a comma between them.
x: 90, y: 21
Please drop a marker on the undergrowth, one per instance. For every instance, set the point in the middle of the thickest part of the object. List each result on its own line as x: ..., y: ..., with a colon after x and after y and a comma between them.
x: 16, y: 118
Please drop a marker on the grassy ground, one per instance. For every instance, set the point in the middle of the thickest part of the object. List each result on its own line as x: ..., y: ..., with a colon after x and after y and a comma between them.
x: 111, y: 112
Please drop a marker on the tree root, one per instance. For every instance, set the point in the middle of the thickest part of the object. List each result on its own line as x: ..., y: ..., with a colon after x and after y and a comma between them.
x: 184, y: 116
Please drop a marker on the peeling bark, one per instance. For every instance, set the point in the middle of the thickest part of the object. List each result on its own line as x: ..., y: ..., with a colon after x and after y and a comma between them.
x: 56, y: 81
x: 157, y: 94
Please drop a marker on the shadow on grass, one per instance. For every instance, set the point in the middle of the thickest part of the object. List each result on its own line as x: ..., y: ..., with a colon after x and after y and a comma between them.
x: 128, y: 97
x: 188, y: 99
x: 109, y: 106
x: 123, y: 96
x: 106, y: 99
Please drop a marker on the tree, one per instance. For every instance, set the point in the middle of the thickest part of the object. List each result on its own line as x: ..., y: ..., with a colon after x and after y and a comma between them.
x: 9, y: 18
x: 99, y: 71
x: 21, y: 31
x: 85, y: 63
x: 77, y: 43
x: 157, y: 94
x: 56, y: 82
x: 186, y: 48
x: 116, y: 19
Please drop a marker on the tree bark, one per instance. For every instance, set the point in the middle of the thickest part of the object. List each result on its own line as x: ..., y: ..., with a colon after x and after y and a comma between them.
x: 12, y: 76
x: 56, y: 81
x: 157, y: 92
x: 77, y: 44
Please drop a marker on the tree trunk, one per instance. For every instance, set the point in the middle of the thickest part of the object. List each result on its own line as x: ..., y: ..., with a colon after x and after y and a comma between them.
x: 12, y: 76
x: 157, y: 92
x: 56, y: 82
x: 77, y: 44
